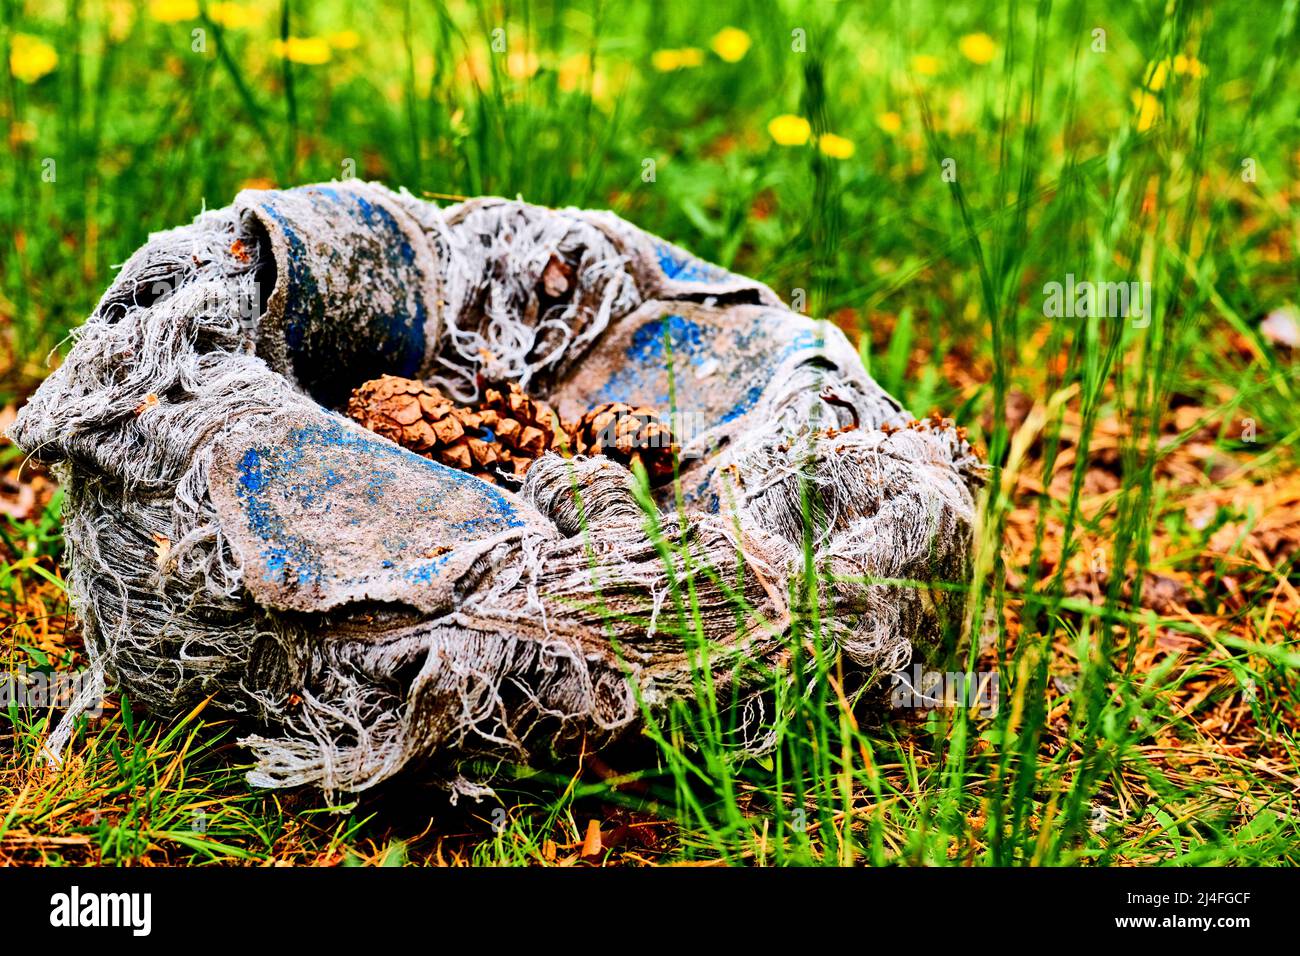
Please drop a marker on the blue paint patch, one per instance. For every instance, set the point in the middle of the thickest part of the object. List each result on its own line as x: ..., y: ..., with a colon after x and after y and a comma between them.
x: 746, y: 403
x: 803, y: 340
x: 318, y: 468
x: 386, y: 329
x: 425, y: 572
x: 303, y: 304
x: 681, y: 266
x: 686, y: 339
x: 643, y: 376
x: 645, y: 370
x: 288, y: 557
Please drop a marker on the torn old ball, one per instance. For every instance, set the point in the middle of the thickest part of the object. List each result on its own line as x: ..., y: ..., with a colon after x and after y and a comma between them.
x: 367, y: 607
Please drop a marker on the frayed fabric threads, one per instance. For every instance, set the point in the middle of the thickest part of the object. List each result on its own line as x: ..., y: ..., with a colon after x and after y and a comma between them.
x: 230, y: 534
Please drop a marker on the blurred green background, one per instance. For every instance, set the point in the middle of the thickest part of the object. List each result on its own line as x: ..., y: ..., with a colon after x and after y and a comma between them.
x: 125, y: 118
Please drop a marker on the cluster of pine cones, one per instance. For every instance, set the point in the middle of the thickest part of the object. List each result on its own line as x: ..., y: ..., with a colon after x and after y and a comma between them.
x: 508, y: 430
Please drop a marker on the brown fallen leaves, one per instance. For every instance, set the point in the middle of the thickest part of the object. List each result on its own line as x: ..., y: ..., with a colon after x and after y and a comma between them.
x: 25, y: 486
x: 1222, y: 549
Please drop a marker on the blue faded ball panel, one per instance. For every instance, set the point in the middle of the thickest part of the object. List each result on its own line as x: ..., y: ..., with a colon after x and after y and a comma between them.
x: 680, y: 266
x: 339, y: 331
x: 715, y: 368
x: 327, y: 512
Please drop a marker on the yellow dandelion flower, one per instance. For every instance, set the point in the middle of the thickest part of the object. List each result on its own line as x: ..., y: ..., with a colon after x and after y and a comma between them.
x: 665, y: 61
x: 572, y: 71
x: 731, y: 44
x: 121, y: 17
x: 689, y: 56
x: 577, y: 72
x: 23, y: 132
x: 1148, y: 110
x: 891, y: 123
x: 31, y: 58
x: 979, y: 48
x: 344, y: 40
x: 789, y: 130
x: 424, y: 69
x: 474, y: 68
x: 925, y: 64
x: 173, y: 11
x: 1156, y: 75
x: 1189, y: 66
x: 309, y: 51
x: 521, y: 64
x: 235, y: 16
x: 836, y: 147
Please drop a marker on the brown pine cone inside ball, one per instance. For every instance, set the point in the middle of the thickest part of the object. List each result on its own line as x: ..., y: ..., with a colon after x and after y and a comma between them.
x: 523, y: 427
x: 627, y: 435
x: 408, y: 412
x: 503, y: 436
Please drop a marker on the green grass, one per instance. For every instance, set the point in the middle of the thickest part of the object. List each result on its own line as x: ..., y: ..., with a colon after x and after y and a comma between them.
x: 1123, y: 734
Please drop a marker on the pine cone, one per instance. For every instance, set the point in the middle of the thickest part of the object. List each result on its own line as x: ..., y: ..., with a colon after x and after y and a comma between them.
x: 627, y: 434
x: 524, y: 428
x: 501, y: 437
